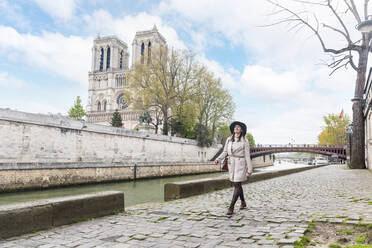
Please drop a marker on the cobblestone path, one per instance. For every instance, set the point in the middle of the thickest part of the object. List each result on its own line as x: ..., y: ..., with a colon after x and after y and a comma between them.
x: 278, y: 213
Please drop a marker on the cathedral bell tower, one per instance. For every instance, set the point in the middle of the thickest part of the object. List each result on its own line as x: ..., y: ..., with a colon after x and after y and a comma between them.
x: 108, y: 84
x: 144, y: 42
x: 108, y: 79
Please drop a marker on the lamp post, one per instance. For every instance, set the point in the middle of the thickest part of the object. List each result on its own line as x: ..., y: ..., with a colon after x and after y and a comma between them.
x: 365, y: 26
x: 349, y: 133
x: 357, y: 148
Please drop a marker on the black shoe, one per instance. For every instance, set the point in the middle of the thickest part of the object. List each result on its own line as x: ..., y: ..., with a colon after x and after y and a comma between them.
x: 230, y: 211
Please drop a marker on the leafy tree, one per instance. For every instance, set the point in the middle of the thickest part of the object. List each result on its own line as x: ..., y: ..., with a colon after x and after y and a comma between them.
x: 250, y: 139
x: 184, y: 124
x: 224, y: 132
x: 155, y: 83
x: 334, y: 132
x: 203, y: 136
x: 355, y: 47
x: 185, y: 91
x: 77, y: 111
x: 214, y: 105
x: 221, y: 109
x: 116, y: 120
x: 181, y: 92
x: 145, y: 118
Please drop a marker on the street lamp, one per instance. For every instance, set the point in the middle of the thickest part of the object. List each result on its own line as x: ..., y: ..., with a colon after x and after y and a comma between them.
x: 365, y: 26
x: 350, y: 128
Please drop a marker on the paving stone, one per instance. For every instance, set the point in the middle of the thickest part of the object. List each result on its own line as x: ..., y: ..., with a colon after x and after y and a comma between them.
x: 279, y: 209
x: 287, y: 241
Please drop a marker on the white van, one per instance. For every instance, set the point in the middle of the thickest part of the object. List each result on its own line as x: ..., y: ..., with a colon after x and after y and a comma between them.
x: 321, y: 160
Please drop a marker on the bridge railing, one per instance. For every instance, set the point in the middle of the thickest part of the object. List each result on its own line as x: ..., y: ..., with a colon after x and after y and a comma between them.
x: 299, y: 145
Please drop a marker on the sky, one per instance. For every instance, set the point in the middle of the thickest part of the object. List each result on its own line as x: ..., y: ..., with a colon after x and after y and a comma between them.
x: 277, y: 76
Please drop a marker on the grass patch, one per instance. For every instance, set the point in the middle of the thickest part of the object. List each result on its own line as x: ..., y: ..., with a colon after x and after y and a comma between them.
x: 302, y: 243
x: 345, y: 231
x: 361, y: 238
x: 311, y: 224
x: 162, y: 218
x: 359, y: 246
x: 81, y: 220
x: 335, y: 246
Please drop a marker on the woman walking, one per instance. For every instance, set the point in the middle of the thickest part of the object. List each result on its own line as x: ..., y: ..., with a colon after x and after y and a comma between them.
x: 239, y: 161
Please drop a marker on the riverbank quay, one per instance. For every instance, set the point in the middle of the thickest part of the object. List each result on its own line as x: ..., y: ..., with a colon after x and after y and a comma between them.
x: 178, y: 190
x: 279, y: 211
x: 21, y: 218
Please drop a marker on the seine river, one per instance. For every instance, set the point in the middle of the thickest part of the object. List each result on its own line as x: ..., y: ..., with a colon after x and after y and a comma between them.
x: 140, y: 191
x: 135, y: 192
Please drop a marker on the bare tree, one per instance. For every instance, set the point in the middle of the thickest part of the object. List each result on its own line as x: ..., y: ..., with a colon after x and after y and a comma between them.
x: 341, y: 57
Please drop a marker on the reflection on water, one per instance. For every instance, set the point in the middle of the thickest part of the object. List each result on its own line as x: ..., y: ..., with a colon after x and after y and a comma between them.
x: 141, y: 191
x: 282, y: 165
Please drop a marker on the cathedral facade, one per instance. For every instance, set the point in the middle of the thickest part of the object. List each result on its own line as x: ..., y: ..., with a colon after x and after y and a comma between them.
x: 108, y: 78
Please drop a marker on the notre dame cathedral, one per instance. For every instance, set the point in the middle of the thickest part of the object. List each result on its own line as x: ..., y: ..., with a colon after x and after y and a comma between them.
x: 108, y: 84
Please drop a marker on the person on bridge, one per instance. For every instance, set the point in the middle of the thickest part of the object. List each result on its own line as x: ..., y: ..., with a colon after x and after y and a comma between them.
x: 239, y: 161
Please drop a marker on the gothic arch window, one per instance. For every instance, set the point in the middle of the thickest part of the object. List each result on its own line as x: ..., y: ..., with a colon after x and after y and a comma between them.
x: 101, y: 60
x: 98, y: 106
x: 122, y: 104
x: 149, y: 53
x: 119, y: 81
x: 108, y: 58
x: 104, y: 105
x: 142, y: 52
x: 121, y: 60
x: 124, y: 80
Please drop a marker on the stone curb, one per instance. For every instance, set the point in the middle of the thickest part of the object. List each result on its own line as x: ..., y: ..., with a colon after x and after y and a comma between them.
x: 21, y: 218
x: 178, y: 190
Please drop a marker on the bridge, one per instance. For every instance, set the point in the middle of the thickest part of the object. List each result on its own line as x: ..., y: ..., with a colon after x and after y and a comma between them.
x: 338, y: 151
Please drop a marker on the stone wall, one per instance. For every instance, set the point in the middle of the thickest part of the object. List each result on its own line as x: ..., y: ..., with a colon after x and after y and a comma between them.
x: 36, y: 138
x: 17, y: 179
x: 263, y: 161
x: 39, y: 151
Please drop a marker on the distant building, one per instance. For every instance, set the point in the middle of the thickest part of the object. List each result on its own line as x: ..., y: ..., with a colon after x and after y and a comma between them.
x: 108, y: 79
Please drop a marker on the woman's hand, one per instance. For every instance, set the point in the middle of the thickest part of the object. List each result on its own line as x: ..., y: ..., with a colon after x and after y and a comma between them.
x: 216, y: 162
x: 249, y: 174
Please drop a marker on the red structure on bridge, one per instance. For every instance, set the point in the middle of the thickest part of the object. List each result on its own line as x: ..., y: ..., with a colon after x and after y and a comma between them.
x: 333, y: 151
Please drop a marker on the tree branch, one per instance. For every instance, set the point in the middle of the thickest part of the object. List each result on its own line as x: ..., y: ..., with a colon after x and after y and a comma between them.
x: 338, y: 31
x: 347, y: 35
x: 352, y: 62
x: 306, y: 23
x: 353, y: 9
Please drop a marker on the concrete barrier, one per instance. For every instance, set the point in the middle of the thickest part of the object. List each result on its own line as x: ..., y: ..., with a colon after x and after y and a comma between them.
x: 20, y: 218
x: 178, y: 190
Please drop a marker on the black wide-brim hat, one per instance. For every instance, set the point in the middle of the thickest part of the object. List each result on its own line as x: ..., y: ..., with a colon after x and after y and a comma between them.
x: 241, y: 124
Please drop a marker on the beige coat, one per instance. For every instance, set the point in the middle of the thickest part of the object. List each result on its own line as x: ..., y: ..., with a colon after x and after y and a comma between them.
x: 240, y: 165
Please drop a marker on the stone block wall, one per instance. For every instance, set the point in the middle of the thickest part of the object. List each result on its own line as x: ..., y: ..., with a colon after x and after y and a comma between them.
x: 36, y: 138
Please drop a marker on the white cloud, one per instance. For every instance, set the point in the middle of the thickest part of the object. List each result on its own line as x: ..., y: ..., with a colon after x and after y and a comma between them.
x: 63, y: 10
x: 262, y: 82
x: 34, y: 107
x: 13, y: 13
x: 67, y: 56
x: 229, y: 77
x: 102, y: 22
x: 241, y: 24
x: 8, y: 81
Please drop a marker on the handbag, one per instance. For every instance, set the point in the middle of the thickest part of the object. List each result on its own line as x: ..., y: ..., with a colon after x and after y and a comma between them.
x: 224, y: 164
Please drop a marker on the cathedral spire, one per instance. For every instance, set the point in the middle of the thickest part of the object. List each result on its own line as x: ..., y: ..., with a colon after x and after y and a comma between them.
x: 154, y: 28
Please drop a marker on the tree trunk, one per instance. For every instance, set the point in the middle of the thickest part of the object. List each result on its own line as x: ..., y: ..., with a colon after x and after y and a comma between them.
x: 213, y: 129
x: 165, y: 121
x: 357, y: 139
